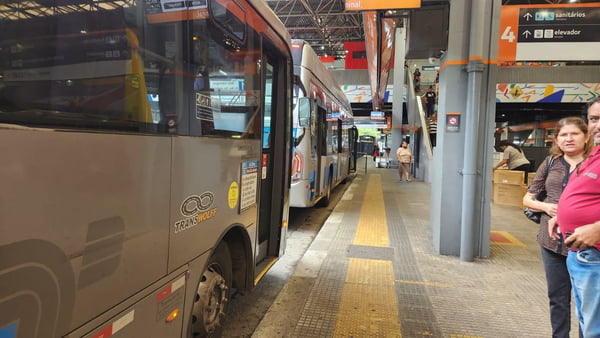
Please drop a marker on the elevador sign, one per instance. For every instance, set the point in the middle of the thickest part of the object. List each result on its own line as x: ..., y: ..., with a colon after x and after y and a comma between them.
x: 549, y: 33
x: 559, y: 25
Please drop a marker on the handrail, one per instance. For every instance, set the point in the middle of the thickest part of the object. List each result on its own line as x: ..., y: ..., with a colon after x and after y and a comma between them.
x: 412, y: 97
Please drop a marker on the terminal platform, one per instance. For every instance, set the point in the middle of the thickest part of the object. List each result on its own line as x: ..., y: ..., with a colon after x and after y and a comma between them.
x: 372, y: 271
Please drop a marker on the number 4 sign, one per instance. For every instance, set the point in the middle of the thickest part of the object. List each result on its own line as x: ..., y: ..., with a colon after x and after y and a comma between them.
x: 509, y: 27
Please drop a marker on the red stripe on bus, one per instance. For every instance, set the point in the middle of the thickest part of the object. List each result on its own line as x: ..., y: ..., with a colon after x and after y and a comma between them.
x: 164, y: 293
x: 107, y: 332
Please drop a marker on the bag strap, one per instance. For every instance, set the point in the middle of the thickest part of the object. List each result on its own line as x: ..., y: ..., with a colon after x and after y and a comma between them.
x: 549, y: 161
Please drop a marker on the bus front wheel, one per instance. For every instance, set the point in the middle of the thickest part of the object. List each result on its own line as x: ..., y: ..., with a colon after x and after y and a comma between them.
x: 212, y: 297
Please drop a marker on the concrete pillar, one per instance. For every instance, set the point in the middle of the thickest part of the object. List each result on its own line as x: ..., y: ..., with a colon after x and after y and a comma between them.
x: 399, y: 89
x: 461, y: 173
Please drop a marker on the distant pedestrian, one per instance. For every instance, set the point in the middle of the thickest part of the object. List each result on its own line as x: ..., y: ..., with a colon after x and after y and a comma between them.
x: 417, y: 79
x: 513, y: 157
x: 432, y: 128
x: 430, y: 98
x: 375, y: 152
x: 405, y: 158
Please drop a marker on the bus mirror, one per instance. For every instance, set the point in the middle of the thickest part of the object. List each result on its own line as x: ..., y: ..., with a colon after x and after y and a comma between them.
x: 303, y: 112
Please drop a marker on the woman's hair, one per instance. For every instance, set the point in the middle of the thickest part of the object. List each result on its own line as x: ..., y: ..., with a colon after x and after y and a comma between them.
x: 566, y: 121
x: 508, y: 143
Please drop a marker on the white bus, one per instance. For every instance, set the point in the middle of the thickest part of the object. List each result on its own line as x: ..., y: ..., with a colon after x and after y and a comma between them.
x: 146, y: 153
x: 324, y: 132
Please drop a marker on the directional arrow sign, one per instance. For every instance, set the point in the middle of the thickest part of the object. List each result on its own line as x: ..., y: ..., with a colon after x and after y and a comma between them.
x: 566, y: 32
x: 566, y: 24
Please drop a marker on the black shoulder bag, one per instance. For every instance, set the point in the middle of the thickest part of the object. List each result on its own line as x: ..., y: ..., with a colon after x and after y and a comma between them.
x: 533, y: 215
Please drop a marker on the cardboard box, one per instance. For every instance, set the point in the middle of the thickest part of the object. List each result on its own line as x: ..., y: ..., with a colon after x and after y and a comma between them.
x: 530, y: 177
x: 513, y: 177
x: 508, y: 194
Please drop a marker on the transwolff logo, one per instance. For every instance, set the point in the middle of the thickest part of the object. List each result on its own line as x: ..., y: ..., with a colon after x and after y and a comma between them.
x: 195, y: 209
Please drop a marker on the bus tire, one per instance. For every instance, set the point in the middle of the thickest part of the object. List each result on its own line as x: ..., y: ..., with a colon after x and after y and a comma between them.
x: 212, y: 296
x: 324, y: 202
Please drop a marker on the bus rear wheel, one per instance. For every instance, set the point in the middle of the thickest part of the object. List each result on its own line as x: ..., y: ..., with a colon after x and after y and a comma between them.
x: 212, y: 296
x: 324, y: 202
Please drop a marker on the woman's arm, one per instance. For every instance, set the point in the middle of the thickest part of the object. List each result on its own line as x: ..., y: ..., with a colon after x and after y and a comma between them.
x: 535, y: 205
x: 499, y: 164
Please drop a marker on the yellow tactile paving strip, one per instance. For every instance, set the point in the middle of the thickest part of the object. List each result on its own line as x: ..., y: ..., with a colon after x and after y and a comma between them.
x: 372, y: 227
x: 368, y: 305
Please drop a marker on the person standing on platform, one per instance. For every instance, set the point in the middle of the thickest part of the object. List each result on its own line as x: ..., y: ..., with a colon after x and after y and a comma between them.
x: 578, y: 221
x: 375, y: 152
x: 569, y: 148
x: 432, y: 128
x: 405, y: 158
x: 430, y: 99
x: 513, y: 157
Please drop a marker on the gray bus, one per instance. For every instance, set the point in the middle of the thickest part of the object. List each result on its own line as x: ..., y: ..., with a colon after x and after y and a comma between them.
x: 146, y: 160
x: 323, y: 129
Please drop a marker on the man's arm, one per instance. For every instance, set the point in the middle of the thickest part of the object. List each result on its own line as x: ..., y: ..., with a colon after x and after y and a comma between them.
x: 584, y: 236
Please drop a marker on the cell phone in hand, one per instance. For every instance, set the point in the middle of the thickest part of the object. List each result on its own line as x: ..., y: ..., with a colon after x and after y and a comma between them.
x: 567, y: 234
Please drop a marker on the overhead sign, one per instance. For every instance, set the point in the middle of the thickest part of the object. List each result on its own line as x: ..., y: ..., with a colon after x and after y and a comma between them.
x: 370, y: 5
x: 567, y: 32
x: 377, y: 115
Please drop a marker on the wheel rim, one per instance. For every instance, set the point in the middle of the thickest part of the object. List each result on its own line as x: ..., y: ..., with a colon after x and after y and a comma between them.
x: 210, y: 302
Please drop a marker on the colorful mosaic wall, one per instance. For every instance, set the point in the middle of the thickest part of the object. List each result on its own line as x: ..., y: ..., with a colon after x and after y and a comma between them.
x: 506, y: 92
x: 546, y: 93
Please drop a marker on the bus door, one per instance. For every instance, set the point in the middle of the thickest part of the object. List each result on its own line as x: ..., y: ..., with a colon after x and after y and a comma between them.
x: 353, y: 146
x: 342, y: 161
x: 273, y: 191
x: 266, y: 181
x: 321, y: 150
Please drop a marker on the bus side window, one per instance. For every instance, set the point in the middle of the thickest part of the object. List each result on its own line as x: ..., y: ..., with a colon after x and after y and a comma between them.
x: 225, y: 17
x: 226, y: 77
x: 166, y: 98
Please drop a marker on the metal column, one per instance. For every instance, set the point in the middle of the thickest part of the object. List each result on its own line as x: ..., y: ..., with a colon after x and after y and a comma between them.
x: 398, y: 81
x: 461, y: 173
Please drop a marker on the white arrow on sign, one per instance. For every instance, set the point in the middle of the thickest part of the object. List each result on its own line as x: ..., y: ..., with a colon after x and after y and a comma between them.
x: 527, y: 34
x: 527, y: 16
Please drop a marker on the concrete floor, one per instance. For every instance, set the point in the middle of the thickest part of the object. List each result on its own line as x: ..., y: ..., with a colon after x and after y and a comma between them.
x: 432, y: 295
